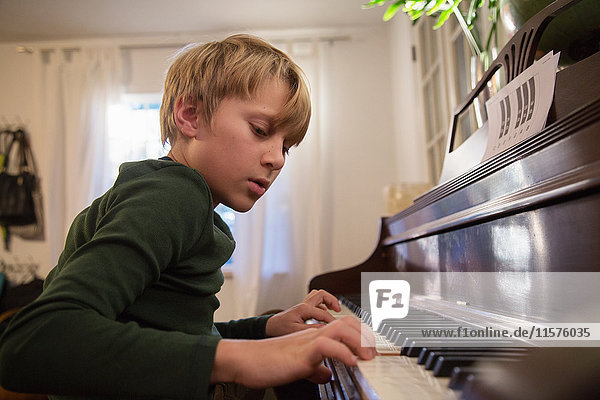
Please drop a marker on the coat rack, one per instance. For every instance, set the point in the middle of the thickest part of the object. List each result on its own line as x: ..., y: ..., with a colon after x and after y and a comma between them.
x: 17, y: 164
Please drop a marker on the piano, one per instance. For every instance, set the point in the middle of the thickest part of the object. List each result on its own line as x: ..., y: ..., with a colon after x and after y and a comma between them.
x: 534, y: 207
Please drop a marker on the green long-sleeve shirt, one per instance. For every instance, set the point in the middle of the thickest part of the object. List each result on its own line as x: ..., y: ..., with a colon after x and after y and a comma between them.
x: 128, y: 310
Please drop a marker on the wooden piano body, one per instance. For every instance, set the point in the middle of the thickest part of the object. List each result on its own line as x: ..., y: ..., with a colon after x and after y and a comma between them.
x: 534, y: 207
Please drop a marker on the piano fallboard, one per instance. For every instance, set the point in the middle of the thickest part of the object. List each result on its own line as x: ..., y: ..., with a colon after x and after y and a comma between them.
x: 472, y: 222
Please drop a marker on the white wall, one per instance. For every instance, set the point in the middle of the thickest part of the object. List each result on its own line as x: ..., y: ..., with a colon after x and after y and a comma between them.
x: 362, y: 143
x: 373, y: 144
x: 407, y: 115
x: 17, y: 109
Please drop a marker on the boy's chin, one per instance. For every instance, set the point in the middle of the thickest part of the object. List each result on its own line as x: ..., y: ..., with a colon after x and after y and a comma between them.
x: 241, y: 206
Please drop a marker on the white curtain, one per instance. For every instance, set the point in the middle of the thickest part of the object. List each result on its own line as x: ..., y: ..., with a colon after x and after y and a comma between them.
x: 75, y: 88
x: 283, y: 242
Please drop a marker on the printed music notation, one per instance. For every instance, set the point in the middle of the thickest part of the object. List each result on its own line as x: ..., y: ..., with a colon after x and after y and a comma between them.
x: 519, y: 110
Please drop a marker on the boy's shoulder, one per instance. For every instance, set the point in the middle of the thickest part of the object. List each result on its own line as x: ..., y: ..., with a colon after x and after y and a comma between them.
x: 161, y: 177
x: 134, y: 169
x: 160, y: 168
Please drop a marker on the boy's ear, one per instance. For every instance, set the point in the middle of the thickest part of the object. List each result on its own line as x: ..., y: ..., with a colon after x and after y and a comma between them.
x: 187, y: 118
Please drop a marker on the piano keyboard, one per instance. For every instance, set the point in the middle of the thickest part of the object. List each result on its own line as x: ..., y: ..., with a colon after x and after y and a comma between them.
x: 411, y: 367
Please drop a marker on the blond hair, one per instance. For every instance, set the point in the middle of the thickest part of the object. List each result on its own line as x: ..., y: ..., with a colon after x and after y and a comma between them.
x: 236, y: 66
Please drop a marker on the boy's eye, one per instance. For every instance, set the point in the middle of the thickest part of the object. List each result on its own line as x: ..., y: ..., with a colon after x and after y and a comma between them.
x: 259, y: 131
x: 285, y: 150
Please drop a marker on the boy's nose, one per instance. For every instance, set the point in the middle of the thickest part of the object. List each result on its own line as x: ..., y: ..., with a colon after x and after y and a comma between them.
x: 273, y: 157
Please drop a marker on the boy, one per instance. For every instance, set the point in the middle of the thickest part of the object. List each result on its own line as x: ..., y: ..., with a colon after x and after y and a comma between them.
x: 128, y: 311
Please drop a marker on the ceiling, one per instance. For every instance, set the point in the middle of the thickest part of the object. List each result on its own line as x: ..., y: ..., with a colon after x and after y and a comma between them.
x: 35, y: 20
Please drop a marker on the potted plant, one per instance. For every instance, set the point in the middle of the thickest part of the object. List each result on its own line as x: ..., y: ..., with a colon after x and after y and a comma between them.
x: 482, y: 49
x: 576, y: 32
x: 444, y: 9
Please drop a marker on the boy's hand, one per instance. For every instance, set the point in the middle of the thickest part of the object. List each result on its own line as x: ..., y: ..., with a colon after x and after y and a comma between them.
x: 294, y: 319
x: 277, y: 361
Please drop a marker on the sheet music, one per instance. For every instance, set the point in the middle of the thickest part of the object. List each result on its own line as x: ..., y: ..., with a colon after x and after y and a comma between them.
x: 519, y: 110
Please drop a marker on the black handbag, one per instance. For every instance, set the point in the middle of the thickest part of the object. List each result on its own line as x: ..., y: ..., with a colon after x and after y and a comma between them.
x: 17, y: 205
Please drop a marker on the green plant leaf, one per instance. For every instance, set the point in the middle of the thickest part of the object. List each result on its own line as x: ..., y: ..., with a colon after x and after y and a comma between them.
x: 415, y: 14
x: 446, y: 14
x: 374, y: 3
x: 392, y: 10
x: 471, y: 16
x: 436, y: 6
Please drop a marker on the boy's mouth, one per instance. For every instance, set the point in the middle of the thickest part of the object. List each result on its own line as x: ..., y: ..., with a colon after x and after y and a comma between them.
x: 258, y: 186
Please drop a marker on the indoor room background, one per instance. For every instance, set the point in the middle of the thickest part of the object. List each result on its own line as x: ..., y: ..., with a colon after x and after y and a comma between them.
x: 322, y: 214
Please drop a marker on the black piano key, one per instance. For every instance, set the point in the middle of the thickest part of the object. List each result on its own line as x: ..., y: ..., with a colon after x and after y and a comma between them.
x: 404, y: 350
x: 436, y: 355
x: 399, y: 334
x: 413, y: 350
x: 491, y: 351
x: 341, y: 384
x: 445, y: 365
x: 412, y: 346
x: 426, y: 351
x: 334, y: 387
x: 386, y: 325
x: 459, y: 376
x: 351, y: 299
x: 421, y: 321
x: 350, y: 390
x: 422, y: 357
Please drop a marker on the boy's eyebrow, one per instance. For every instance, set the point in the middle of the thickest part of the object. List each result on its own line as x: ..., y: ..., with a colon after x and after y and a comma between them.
x: 270, y: 119
x: 261, y: 113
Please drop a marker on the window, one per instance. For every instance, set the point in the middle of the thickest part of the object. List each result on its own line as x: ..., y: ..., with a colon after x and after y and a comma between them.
x: 134, y: 134
x: 433, y: 92
x: 447, y: 73
x: 228, y: 216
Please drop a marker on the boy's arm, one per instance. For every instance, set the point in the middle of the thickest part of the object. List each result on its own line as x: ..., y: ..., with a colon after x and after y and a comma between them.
x: 70, y: 340
x: 291, y: 320
x: 299, y: 355
x: 277, y: 361
x: 314, y: 306
x: 247, y: 328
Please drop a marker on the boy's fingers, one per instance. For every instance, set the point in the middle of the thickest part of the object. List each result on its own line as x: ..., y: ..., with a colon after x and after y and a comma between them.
x: 334, y: 348
x: 345, y: 334
x: 351, y: 321
x: 315, y: 325
x: 316, y: 313
x: 367, y: 336
x: 321, y: 375
x: 322, y: 297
